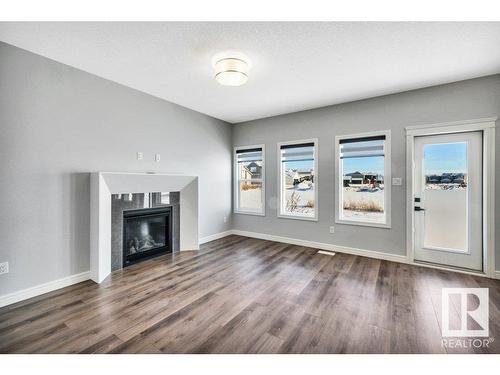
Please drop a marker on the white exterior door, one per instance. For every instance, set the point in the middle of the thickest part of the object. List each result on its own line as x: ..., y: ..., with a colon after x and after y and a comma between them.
x: 448, y: 200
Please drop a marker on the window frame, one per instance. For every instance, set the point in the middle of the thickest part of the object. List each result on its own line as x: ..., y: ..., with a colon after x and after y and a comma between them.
x: 280, y: 214
x: 387, y: 180
x: 236, y: 181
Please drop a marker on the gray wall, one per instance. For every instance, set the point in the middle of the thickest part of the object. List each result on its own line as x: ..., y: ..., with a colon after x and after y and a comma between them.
x: 458, y: 101
x: 57, y: 124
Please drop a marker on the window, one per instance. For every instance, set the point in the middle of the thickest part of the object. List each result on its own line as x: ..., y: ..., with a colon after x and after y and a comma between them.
x: 298, y: 193
x: 249, y: 180
x: 364, y: 179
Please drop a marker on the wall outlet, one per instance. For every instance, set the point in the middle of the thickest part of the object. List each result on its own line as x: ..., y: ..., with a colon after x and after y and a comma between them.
x: 397, y: 181
x: 157, y: 157
x: 139, y: 156
x: 225, y: 219
x: 4, y: 267
x: 332, y: 230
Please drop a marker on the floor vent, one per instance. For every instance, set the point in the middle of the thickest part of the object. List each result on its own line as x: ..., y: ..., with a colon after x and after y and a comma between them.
x: 324, y: 252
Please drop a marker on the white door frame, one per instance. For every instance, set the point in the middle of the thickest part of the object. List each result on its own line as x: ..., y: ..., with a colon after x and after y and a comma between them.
x: 487, y: 127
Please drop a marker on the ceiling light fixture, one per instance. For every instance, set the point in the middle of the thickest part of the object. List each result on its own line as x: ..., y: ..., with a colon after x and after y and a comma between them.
x: 231, y: 68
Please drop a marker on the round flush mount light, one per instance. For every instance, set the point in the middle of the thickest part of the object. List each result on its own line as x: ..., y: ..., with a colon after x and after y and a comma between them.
x: 231, y: 68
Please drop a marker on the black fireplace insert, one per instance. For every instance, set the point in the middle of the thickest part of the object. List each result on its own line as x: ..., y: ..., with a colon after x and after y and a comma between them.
x: 146, y: 233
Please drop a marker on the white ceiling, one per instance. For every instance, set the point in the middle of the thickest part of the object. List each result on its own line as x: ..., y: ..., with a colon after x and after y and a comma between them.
x: 296, y: 66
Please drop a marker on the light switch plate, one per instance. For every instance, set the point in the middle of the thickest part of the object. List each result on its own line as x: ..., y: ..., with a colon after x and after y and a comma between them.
x: 332, y: 230
x: 4, y: 267
x: 157, y: 157
x: 397, y: 181
x: 139, y: 156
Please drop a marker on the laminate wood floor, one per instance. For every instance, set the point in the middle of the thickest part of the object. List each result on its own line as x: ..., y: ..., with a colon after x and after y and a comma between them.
x: 242, y: 295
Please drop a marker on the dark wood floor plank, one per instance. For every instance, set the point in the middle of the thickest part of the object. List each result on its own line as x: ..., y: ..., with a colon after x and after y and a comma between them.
x: 243, y: 295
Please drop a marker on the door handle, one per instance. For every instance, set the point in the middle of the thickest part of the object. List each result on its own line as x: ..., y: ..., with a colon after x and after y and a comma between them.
x: 419, y: 208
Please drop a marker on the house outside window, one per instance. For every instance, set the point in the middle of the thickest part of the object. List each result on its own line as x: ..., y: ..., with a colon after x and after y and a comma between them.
x: 297, y: 184
x: 249, y: 164
x: 363, y: 165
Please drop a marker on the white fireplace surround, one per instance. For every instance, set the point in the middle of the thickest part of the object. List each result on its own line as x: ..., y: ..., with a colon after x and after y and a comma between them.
x: 103, y: 184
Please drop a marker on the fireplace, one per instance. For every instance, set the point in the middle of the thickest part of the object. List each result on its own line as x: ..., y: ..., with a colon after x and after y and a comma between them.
x: 106, y: 220
x: 146, y: 233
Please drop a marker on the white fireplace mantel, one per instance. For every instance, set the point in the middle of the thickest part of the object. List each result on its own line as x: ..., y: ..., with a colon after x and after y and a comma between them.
x: 103, y: 184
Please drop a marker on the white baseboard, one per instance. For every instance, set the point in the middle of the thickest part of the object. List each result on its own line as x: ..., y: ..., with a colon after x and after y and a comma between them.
x: 353, y: 251
x: 24, y: 294
x: 215, y: 236
x: 21, y: 295
x: 325, y: 246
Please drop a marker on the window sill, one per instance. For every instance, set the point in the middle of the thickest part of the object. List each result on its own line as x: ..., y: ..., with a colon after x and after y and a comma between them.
x: 249, y: 213
x: 363, y: 223
x: 304, y: 218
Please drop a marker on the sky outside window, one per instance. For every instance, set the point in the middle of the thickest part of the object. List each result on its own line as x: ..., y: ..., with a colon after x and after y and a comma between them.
x: 445, y: 158
x: 373, y: 164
